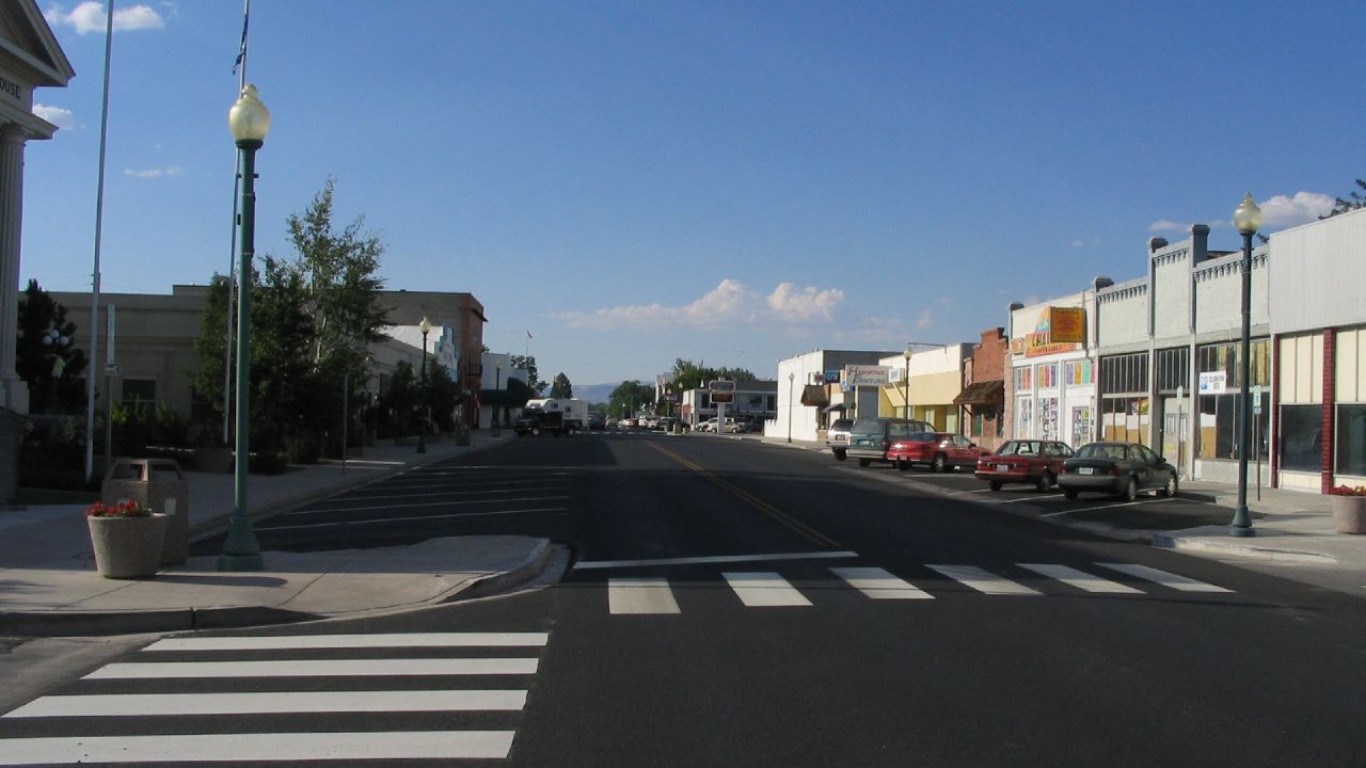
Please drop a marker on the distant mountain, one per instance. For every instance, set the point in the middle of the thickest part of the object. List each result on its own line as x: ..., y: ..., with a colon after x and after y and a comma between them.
x: 594, y: 393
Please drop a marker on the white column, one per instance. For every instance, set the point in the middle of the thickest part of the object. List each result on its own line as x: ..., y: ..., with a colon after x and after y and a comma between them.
x: 13, y: 391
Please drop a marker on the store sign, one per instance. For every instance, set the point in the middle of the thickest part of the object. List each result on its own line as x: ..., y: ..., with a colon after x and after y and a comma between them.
x: 1213, y: 383
x: 1066, y: 325
x: 1059, y: 330
x: 866, y: 375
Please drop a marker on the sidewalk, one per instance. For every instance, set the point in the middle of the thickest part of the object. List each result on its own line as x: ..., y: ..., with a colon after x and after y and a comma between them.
x: 49, y: 586
x: 1290, y: 527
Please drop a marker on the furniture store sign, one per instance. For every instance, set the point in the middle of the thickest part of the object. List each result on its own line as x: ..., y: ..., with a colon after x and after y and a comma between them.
x: 866, y: 375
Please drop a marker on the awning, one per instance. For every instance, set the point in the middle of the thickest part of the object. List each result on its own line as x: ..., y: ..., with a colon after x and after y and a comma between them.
x: 814, y: 394
x: 982, y: 392
x: 514, y: 395
x: 835, y: 407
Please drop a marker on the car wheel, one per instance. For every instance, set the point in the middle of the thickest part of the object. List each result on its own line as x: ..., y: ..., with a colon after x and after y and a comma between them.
x: 902, y: 466
x: 1130, y: 491
x: 1069, y: 493
x: 839, y: 455
x: 940, y: 463
x: 995, y: 485
x: 535, y: 431
x: 1045, y: 483
x: 864, y: 462
x: 1170, y: 489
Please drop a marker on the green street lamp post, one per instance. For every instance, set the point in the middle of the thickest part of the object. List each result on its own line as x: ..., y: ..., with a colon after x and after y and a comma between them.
x: 906, y: 384
x: 426, y: 327
x: 249, y: 121
x: 1248, y: 219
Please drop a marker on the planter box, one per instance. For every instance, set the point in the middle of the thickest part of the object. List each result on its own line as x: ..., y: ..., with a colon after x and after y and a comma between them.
x: 127, y: 547
x: 1349, y: 513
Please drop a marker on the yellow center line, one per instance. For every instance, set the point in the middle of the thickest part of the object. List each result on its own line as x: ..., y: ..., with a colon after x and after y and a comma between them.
x: 802, y: 529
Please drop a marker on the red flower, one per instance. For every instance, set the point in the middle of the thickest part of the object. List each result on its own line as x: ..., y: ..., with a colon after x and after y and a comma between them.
x: 125, y: 508
x: 1348, y: 490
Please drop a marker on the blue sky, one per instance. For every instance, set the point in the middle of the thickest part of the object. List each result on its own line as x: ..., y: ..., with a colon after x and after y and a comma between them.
x: 726, y: 182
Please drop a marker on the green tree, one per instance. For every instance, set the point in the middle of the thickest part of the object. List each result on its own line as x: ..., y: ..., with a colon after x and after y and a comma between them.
x: 561, y: 388
x: 689, y: 375
x: 1353, y: 201
x: 46, y: 355
x: 628, y: 398
x: 528, y: 363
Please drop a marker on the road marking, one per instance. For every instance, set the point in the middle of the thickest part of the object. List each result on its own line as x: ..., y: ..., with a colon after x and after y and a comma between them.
x: 453, y: 503
x: 297, y: 642
x: 880, y: 585
x: 767, y: 590
x: 1108, y: 506
x: 314, y: 668
x: 637, y: 596
x: 423, y: 493
x: 272, y: 703
x: 980, y: 580
x: 593, y: 565
x: 1164, y: 578
x: 413, y: 518
x: 1080, y: 579
x: 253, y: 747
x: 801, y: 528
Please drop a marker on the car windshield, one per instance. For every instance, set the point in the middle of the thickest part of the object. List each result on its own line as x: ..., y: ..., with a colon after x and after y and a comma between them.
x: 841, y: 425
x: 1019, y: 448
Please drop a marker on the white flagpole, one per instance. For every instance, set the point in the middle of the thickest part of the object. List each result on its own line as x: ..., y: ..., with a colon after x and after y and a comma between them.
x: 95, y: 275
x: 241, y: 67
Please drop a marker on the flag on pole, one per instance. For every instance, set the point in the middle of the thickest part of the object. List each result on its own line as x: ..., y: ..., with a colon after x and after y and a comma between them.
x: 529, y: 336
x: 242, y: 49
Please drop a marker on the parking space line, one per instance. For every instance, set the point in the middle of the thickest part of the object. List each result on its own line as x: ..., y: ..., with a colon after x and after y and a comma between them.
x: 1106, y: 506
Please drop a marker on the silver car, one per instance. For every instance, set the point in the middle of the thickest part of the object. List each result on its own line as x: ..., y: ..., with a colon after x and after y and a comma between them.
x: 837, y: 437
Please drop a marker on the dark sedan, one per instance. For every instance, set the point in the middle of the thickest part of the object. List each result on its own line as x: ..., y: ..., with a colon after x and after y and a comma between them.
x: 1121, y: 469
x: 1035, y: 462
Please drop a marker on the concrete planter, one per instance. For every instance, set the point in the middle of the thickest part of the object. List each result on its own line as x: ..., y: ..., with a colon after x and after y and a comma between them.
x: 1349, y: 514
x: 127, y: 547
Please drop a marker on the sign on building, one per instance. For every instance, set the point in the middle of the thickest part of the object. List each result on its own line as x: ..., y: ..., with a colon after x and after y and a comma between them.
x: 866, y: 375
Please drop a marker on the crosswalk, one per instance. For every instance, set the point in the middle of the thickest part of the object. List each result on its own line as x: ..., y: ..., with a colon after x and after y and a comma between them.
x: 232, y: 699
x: 769, y: 589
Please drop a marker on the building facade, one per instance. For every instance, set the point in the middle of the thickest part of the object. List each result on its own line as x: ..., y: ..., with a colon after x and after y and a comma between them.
x: 811, y: 393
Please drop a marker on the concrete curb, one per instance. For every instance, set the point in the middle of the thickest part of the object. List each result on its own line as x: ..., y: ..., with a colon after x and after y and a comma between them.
x: 1188, y: 543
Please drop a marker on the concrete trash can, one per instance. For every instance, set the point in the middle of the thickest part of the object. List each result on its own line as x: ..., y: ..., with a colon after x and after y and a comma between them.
x: 158, y: 485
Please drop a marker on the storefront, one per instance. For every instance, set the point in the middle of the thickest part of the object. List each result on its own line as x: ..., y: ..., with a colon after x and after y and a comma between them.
x: 1052, y: 373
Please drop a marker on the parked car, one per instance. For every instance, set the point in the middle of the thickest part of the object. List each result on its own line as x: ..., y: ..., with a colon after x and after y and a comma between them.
x: 837, y: 437
x: 597, y: 422
x: 1036, y: 462
x: 710, y: 425
x: 869, y: 439
x: 1122, y: 469
x: 940, y: 451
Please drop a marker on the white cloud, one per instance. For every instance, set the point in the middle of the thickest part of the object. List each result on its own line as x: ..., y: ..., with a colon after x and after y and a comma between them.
x: 153, y: 173
x: 925, y: 321
x: 728, y: 303
x: 808, y: 303
x: 90, y: 17
x: 1281, y: 211
x: 62, y: 118
x: 1166, y: 225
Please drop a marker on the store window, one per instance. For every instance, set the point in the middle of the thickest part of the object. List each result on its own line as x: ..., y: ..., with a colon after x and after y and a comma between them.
x: 1351, y: 439
x: 1124, y: 419
x: 1221, y: 413
x: 1078, y: 372
x: 1024, y: 379
x: 1048, y: 376
x: 1048, y: 417
x: 1301, y: 436
x: 1024, y: 417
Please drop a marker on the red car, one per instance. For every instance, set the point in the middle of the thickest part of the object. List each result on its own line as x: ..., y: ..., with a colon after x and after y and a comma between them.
x: 1037, y: 462
x: 940, y: 451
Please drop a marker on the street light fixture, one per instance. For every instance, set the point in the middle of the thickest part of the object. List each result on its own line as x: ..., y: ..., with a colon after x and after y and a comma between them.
x: 791, y: 376
x: 426, y: 327
x: 1248, y: 219
x: 906, y: 384
x: 249, y: 121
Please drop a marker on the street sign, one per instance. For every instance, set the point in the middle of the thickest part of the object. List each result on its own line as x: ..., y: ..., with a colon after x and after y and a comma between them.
x: 722, y: 391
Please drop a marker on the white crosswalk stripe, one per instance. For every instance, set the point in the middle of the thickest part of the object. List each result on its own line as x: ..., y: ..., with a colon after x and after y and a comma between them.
x: 255, y: 690
x: 1156, y: 576
x: 767, y: 590
x: 654, y: 595
x: 880, y: 585
x: 1080, y: 579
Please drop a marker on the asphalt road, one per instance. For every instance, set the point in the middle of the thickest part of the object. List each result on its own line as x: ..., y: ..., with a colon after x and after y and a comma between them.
x: 726, y: 602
